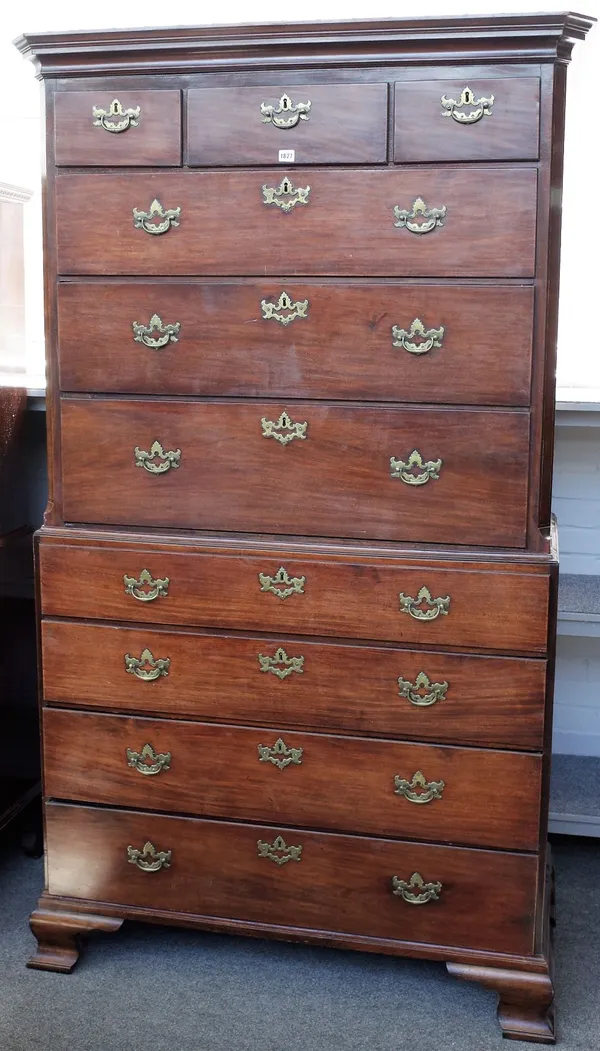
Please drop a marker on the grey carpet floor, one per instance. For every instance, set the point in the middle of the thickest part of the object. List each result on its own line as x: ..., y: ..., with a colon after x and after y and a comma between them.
x: 161, y: 989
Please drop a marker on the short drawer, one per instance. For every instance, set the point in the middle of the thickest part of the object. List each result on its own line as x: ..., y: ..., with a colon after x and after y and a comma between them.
x: 99, y: 128
x: 454, y: 476
x: 317, y: 123
x: 296, y: 682
x: 467, y: 120
x: 385, y: 342
x: 354, y: 784
x: 464, y: 605
x: 294, y: 878
x: 386, y: 222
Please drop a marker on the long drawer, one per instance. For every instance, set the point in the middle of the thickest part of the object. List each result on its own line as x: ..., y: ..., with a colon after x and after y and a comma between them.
x: 321, y: 469
x: 384, y: 342
x: 294, y: 878
x: 297, y: 683
x: 452, y: 605
x: 439, y: 793
x: 412, y: 222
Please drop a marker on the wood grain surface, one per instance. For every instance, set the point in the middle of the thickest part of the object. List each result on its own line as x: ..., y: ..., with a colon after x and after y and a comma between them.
x: 424, y: 131
x: 342, y: 883
x: 231, y: 477
x: 488, y: 798
x: 156, y: 140
x: 500, y: 607
x: 346, y: 228
x: 346, y: 123
x: 342, y: 348
x: 487, y: 700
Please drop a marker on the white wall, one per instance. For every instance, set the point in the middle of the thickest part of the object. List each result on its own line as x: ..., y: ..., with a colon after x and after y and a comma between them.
x: 576, y: 498
x: 577, y: 697
x: 579, y: 360
x: 576, y: 504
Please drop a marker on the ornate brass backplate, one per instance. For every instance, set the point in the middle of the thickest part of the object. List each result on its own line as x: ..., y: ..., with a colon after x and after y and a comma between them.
x: 415, y: 891
x: 165, y: 333
x: 284, y: 430
x: 157, y: 461
x: 281, y: 584
x: 278, y: 851
x: 126, y: 118
x: 280, y: 664
x: 157, y: 220
x: 424, y: 607
x: 418, y: 789
x: 149, y: 859
x: 428, y: 218
x: 455, y: 109
x: 284, y: 303
x: 145, y: 667
x: 404, y: 469
x: 285, y: 196
x: 285, y: 114
x: 417, y: 339
x: 422, y: 692
x: 279, y: 754
x: 148, y: 761
x: 156, y: 588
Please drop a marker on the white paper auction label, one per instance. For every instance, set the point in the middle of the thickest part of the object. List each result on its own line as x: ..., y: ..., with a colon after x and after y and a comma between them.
x: 287, y: 156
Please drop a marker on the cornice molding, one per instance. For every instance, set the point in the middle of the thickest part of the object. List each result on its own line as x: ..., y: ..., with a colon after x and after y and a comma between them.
x: 14, y: 193
x: 542, y: 37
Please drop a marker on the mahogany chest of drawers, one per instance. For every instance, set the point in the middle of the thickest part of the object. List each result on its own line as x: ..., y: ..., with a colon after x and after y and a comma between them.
x: 297, y: 578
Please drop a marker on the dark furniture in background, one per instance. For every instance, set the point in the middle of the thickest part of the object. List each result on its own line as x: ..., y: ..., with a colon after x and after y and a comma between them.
x: 19, y: 733
x: 298, y: 573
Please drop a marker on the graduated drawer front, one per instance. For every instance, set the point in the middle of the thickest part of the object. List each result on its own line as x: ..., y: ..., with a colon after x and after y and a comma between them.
x: 466, y: 795
x: 340, y: 883
x: 321, y: 124
x: 151, y: 136
x: 347, y: 225
x: 218, y: 339
x: 334, y: 478
x: 501, y: 608
x: 492, y: 119
x: 297, y: 683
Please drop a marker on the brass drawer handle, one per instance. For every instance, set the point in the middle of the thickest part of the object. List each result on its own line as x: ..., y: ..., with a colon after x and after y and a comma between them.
x: 148, y: 761
x: 281, y: 584
x: 284, y: 430
x: 279, y: 754
x: 166, y: 333
x: 404, y: 469
x: 127, y: 118
x: 278, y: 851
x: 418, y: 790
x: 285, y: 196
x: 427, y: 337
x: 431, y: 217
x: 149, y: 859
x: 413, y: 691
x: 284, y: 303
x: 280, y: 664
x: 424, y: 607
x: 145, y: 667
x: 272, y: 114
x: 157, y: 588
x: 157, y: 461
x: 415, y: 891
x: 157, y: 220
x: 453, y: 108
